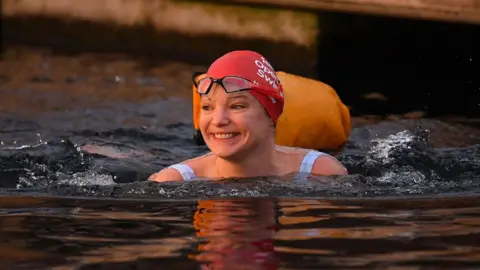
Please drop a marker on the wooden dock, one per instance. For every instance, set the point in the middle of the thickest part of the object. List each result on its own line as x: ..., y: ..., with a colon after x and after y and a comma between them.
x: 461, y: 11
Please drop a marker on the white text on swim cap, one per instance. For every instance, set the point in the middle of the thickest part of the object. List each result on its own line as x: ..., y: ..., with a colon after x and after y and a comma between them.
x: 264, y: 70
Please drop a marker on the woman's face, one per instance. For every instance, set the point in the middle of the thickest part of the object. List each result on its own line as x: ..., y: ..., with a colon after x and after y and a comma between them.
x: 233, y: 124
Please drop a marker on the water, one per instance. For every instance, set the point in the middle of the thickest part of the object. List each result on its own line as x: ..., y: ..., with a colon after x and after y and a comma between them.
x: 259, y: 233
x: 411, y: 201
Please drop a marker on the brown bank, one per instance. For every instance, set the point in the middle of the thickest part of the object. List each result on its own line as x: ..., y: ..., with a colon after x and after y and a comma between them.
x: 379, y: 65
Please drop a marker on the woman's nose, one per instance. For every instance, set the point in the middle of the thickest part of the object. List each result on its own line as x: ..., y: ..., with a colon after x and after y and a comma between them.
x: 220, y: 117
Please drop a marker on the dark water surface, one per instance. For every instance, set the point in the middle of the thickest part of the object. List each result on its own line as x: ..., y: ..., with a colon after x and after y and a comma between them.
x: 411, y: 201
x: 255, y: 233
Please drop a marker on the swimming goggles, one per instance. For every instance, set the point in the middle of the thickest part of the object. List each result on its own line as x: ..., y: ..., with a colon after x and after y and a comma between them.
x: 232, y: 84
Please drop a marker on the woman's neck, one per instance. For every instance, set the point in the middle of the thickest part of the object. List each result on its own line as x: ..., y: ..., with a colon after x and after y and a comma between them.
x: 257, y: 163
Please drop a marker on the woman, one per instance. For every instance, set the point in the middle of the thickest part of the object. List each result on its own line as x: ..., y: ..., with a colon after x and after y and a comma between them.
x: 241, y: 100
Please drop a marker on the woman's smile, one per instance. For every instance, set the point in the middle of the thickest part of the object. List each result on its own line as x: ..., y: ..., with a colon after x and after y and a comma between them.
x: 224, y: 136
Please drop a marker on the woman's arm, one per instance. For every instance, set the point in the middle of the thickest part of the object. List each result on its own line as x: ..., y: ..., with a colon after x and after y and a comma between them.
x: 166, y: 175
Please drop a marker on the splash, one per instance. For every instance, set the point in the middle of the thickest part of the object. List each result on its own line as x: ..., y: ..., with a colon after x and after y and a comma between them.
x: 384, y: 149
x: 402, y: 163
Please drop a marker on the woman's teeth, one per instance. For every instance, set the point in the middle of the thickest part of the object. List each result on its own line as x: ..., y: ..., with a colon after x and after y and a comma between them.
x: 223, y: 135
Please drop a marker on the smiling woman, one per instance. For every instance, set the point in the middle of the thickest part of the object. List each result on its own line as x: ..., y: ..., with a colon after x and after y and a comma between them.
x: 241, y: 101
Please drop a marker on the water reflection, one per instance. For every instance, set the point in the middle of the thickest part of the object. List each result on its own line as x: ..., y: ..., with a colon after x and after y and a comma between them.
x: 249, y: 233
x: 237, y: 234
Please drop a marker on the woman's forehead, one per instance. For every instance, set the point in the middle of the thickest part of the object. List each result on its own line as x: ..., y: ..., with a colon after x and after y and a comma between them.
x: 219, y: 92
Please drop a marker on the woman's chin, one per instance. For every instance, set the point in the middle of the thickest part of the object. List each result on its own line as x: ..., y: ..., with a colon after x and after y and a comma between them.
x: 225, y: 152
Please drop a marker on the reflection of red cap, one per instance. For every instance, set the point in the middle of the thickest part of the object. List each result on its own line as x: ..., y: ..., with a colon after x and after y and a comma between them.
x: 254, y: 67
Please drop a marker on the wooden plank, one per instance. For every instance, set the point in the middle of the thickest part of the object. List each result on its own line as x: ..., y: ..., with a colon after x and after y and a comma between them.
x: 237, y: 21
x: 462, y: 11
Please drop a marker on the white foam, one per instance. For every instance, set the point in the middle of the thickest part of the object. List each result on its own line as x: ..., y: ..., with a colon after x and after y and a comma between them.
x: 85, y: 179
x: 383, y: 149
x: 414, y: 177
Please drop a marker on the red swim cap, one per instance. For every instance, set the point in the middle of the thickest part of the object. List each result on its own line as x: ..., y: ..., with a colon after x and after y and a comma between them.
x: 254, y: 67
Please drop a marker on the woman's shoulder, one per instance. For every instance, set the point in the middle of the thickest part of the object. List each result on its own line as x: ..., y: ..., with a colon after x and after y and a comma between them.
x: 322, y: 163
x: 175, y: 172
x: 299, y: 153
x: 326, y: 164
x: 292, y: 151
x: 197, y: 163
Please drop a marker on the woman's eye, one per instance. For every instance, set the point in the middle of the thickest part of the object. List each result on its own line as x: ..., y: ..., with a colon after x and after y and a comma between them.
x: 206, y: 107
x: 237, y: 106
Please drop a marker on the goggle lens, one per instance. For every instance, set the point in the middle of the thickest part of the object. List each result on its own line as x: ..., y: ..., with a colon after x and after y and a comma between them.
x: 229, y: 83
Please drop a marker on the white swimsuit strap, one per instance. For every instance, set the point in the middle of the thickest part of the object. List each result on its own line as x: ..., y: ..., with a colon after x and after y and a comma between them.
x: 185, y: 170
x: 308, y: 161
x: 305, y: 167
